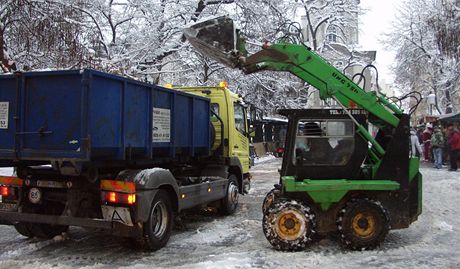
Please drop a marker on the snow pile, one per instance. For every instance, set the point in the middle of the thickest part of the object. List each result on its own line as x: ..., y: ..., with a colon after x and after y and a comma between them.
x: 443, y: 226
x: 266, y: 158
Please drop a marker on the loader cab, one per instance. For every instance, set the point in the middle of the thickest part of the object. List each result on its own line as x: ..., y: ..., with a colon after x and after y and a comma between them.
x: 323, y: 144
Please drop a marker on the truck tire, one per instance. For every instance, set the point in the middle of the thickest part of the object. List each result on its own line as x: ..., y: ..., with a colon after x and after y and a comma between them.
x: 289, y: 225
x: 157, y: 229
x: 47, y: 231
x: 42, y: 230
x: 230, y: 202
x: 23, y: 229
x: 362, y: 224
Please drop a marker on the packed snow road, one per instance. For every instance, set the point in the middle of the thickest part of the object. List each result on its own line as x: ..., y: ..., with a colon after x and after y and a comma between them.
x: 210, y: 241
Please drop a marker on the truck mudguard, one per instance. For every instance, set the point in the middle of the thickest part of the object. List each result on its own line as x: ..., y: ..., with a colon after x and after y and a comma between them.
x: 148, y: 182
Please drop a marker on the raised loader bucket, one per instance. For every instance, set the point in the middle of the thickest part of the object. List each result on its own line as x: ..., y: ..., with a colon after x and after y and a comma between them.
x: 216, y: 38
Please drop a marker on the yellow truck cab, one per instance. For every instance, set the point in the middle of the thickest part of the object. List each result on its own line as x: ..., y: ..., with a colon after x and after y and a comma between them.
x: 230, y: 127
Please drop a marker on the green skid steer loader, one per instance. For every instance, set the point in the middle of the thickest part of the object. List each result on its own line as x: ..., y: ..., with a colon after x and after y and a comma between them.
x: 336, y: 178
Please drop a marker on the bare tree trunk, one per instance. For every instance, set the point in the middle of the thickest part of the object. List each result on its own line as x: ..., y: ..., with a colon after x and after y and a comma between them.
x: 6, y: 64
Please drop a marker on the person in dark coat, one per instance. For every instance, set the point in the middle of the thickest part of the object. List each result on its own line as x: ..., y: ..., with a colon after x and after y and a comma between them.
x: 426, y: 136
x: 453, y: 137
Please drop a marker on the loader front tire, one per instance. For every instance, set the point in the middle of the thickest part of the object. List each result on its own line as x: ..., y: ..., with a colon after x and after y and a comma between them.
x: 289, y: 225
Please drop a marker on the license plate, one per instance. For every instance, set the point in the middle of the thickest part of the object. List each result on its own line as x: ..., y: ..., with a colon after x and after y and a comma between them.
x: 118, y: 214
x: 7, y: 207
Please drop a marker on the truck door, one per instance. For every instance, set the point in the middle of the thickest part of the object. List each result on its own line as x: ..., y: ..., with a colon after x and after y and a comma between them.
x: 239, y: 142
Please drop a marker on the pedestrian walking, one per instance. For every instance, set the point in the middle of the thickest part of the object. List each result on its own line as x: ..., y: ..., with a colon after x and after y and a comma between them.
x: 437, y: 143
x: 453, y: 136
x: 426, y: 136
x: 416, y: 149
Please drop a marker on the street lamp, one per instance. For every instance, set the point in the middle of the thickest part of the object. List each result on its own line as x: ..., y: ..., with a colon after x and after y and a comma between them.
x: 431, y: 100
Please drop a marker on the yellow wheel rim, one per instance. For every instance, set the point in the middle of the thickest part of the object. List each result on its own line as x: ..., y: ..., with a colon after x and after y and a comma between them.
x: 363, y: 225
x: 290, y: 225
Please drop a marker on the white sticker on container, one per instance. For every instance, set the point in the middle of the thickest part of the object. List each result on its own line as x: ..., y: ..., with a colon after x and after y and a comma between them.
x: 161, y: 129
x: 4, y: 115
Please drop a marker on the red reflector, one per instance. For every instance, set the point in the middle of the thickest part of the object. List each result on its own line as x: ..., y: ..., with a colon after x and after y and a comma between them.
x: 4, y: 191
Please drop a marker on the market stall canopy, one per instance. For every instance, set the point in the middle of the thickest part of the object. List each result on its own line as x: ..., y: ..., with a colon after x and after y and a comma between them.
x: 450, y: 117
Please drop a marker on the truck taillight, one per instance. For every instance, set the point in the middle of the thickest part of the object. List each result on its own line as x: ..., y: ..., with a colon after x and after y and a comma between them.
x: 119, y: 197
x: 5, y: 191
x: 112, y: 197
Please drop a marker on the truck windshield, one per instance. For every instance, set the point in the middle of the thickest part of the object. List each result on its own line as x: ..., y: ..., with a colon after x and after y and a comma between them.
x: 323, y: 142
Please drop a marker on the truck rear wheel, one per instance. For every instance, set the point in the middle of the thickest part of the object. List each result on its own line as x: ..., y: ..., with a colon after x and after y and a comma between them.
x: 230, y: 202
x: 42, y: 230
x: 157, y: 229
x: 47, y: 231
x: 289, y: 225
x: 23, y: 229
x: 362, y: 224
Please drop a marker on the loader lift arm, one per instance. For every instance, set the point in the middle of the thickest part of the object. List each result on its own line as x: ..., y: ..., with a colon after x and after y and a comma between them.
x: 219, y: 39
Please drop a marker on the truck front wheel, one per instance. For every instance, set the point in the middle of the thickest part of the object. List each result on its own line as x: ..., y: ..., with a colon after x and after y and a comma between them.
x: 230, y: 202
x: 157, y: 229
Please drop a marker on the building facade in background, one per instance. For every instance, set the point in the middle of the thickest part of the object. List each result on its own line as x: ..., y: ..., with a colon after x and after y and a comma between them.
x: 336, y: 42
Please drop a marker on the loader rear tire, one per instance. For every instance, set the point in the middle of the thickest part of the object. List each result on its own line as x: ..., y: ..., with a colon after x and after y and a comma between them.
x: 272, y: 196
x: 362, y: 224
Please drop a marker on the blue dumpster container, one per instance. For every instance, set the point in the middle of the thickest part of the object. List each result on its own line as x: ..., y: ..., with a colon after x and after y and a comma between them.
x: 87, y: 116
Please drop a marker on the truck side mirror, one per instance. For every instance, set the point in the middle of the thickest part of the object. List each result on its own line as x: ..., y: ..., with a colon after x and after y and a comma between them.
x: 251, y: 132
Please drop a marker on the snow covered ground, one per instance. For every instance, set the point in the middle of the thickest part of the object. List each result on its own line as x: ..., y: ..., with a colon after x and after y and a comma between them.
x: 210, y: 241
x: 263, y: 159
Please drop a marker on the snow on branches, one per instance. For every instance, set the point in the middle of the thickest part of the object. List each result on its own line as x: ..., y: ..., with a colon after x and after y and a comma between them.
x: 426, y: 38
x: 143, y: 39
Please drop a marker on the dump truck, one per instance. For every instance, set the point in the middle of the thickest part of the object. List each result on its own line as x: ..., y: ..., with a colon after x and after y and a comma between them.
x: 97, y: 150
x: 336, y: 178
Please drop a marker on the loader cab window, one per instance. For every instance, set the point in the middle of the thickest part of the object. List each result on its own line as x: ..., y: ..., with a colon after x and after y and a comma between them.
x: 240, y: 118
x: 323, y: 142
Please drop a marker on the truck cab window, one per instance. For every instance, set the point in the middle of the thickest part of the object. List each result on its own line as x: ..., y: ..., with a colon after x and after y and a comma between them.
x: 215, y: 108
x: 323, y: 142
x: 240, y: 122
